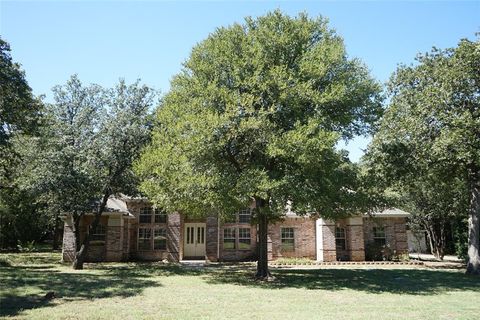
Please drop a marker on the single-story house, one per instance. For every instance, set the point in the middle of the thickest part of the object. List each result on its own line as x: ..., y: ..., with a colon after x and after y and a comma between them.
x: 131, y: 229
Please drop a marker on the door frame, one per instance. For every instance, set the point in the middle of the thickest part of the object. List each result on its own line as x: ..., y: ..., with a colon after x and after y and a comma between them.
x: 203, y: 246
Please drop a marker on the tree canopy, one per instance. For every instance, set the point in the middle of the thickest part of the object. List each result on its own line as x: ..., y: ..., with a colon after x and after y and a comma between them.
x: 431, y: 132
x: 255, y: 115
x: 87, y: 146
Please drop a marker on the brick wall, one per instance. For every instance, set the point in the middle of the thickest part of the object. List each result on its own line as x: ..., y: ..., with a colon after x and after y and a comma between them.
x: 395, y: 232
x: 68, y: 247
x: 211, y: 238
x: 114, y: 243
x: 238, y: 254
x: 174, y: 237
x: 328, y: 235
x: 355, y: 240
x: 134, y: 207
x: 304, y: 238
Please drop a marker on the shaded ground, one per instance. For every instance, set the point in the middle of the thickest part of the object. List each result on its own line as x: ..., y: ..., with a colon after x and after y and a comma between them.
x: 154, y: 290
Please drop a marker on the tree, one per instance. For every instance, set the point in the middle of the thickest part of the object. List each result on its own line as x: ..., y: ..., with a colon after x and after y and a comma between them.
x: 19, y: 110
x: 20, y: 113
x: 435, y: 203
x: 89, y: 144
x: 255, y: 115
x: 431, y: 131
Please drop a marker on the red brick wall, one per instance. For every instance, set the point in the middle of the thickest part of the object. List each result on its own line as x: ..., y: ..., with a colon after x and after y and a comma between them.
x: 304, y: 238
x: 395, y: 232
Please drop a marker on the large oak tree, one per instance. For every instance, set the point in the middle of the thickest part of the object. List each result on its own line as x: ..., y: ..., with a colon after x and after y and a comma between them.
x: 254, y: 116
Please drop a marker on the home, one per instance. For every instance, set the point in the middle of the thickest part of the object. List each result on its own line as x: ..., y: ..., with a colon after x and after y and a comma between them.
x: 131, y: 229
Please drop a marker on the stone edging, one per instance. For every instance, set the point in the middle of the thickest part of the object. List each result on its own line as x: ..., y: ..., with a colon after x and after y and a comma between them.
x: 348, y: 263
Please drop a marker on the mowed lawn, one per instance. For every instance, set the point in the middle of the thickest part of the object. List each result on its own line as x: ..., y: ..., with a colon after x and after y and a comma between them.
x: 157, y: 291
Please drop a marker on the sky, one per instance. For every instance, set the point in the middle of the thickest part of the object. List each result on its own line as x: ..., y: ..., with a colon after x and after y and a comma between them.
x: 103, y: 41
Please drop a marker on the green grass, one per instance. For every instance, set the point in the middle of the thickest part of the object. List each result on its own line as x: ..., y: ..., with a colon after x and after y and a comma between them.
x: 157, y: 291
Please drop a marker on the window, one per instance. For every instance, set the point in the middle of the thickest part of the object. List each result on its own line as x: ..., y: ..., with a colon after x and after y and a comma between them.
x: 288, y: 240
x: 340, y: 239
x: 379, y: 236
x: 244, y: 238
x: 160, y: 216
x: 229, y: 238
x: 144, y: 239
x: 146, y: 215
x: 98, y: 235
x: 244, y: 216
x: 160, y: 239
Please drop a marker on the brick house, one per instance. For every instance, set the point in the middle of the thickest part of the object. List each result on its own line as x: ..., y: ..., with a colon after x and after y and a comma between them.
x: 131, y: 229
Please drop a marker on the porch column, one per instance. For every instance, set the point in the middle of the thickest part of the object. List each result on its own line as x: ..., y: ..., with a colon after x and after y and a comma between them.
x: 355, y: 240
x: 174, y: 244
x: 68, y: 247
x: 325, y: 240
x: 114, y: 238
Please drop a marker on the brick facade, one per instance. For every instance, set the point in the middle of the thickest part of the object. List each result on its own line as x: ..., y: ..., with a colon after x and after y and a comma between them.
x: 312, y: 238
x: 304, y: 238
x: 395, y: 232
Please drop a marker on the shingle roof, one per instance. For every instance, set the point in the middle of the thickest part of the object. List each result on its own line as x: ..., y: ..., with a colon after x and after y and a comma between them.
x: 390, y: 213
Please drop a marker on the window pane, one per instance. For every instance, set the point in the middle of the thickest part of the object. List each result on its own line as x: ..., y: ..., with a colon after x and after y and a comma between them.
x: 160, y: 216
x: 99, y: 233
x: 244, y: 216
x: 339, y: 232
x: 160, y: 239
x: 288, y: 241
x: 288, y: 244
x: 340, y: 244
x: 244, y: 239
x: 229, y: 238
x: 379, y: 236
x: 145, y: 215
x: 379, y: 232
x: 144, y: 239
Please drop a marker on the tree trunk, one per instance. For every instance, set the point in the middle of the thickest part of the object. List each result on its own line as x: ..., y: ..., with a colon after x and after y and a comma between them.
x: 473, y: 265
x: 262, y: 264
x: 430, y: 240
x: 442, y: 241
x: 81, y: 254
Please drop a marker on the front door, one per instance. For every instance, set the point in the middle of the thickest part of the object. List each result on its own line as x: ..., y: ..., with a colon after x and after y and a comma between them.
x: 194, y: 240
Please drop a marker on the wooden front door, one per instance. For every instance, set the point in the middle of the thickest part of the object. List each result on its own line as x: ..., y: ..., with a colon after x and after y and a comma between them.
x: 194, y: 241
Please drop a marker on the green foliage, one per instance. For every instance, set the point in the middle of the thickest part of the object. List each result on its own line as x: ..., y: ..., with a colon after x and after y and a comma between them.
x: 20, y: 115
x: 28, y: 246
x: 428, y: 146
x: 92, y: 137
x: 377, y: 252
x: 256, y: 112
x: 19, y: 111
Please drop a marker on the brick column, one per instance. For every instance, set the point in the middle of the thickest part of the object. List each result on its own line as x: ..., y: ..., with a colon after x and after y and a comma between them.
x: 212, y: 238
x: 174, y: 243
x: 329, y: 250
x: 68, y: 247
x: 401, y: 236
x: 114, y: 239
x: 356, y: 243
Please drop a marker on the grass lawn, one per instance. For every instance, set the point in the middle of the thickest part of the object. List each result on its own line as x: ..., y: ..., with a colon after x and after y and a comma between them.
x: 156, y: 291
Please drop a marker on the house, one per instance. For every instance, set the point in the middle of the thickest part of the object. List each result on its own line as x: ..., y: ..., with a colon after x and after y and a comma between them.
x: 131, y: 229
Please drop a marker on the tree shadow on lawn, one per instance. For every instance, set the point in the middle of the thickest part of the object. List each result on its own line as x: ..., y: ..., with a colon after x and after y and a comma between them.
x: 376, y: 281
x: 21, y: 286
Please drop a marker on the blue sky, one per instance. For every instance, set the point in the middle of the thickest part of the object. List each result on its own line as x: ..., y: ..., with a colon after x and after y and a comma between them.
x: 105, y: 40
